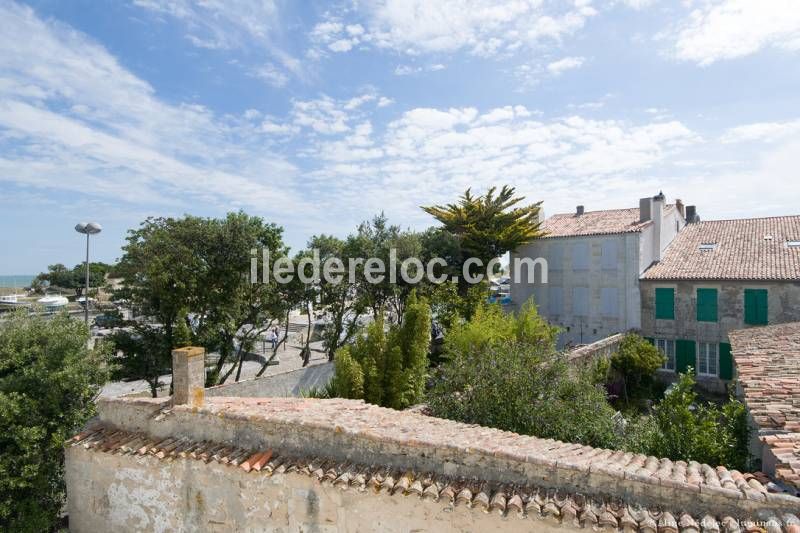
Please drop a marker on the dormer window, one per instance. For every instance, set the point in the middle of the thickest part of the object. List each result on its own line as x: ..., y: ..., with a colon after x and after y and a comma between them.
x: 708, y: 246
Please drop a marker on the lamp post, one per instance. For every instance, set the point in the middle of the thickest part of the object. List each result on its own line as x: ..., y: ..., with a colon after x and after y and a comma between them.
x: 90, y: 228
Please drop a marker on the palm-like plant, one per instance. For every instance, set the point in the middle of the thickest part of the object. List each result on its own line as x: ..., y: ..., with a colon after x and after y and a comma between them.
x: 489, y: 225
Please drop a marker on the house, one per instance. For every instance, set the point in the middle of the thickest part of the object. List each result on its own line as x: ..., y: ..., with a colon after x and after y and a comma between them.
x: 717, y: 276
x: 594, y: 261
x: 767, y: 364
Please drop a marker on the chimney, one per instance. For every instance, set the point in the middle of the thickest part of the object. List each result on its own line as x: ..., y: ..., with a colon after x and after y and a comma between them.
x: 645, y: 209
x: 659, y: 201
x: 691, y: 214
x: 188, y: 376
x: 579, y: 210
x: 680, y: 207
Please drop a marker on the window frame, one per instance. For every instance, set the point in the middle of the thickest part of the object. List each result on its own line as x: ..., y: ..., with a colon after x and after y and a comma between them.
x: 705, y: 353
x: 665, y: 351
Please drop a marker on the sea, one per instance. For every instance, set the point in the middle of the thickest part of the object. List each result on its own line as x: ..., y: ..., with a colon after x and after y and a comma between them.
x: 19, y: 281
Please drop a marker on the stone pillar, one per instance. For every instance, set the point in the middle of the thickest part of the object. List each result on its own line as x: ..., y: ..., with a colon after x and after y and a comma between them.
x: 188, y: 376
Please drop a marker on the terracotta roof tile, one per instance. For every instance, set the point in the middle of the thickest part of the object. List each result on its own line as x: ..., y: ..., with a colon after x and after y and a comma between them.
x: 745, y: 249
x: 768, y: 369
x: 610, y: 221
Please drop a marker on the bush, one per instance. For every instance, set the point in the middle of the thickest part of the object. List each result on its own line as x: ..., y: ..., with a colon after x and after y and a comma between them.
x: 387, y: 369
x: 681, y: 428
x: 635, y: 363
x: 504, y: 372
x: 48, y: 380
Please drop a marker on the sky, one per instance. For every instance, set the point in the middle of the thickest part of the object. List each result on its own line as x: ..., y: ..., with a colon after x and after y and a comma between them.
x: 318, y: 115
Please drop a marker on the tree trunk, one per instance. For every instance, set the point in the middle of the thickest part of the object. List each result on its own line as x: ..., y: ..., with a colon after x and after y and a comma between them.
x: 307, y: 345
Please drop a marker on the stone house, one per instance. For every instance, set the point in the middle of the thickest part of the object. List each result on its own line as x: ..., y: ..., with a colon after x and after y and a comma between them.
x: 715, y: 277
x: 594, y: 261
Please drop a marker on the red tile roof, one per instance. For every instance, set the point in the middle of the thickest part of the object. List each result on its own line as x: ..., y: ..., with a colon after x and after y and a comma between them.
x: 608, y: 222
x: 768, y: 369
x: 526, y: 501
x: 745, y: 249
x: 786, y: 449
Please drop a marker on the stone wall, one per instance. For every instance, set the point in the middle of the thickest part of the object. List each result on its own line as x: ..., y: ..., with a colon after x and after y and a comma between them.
x: 602, y: 348
x: 168, y: 467
x: 292, y: 383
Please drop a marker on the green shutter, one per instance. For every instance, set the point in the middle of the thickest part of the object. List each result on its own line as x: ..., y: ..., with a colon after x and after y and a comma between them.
x: 725, y: 361
x: 685, y: 355
x: 651, y: 340
x: 665, y: 303
x: 756, y: 308
x: 706, y: 305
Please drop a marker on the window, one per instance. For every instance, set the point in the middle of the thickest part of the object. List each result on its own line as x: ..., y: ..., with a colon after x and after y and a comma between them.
x: 608, y: 301
x: 580, y: 256
x: 555, y: 305
x: 708, y: 246
x: 706, y: 305
x: 756, y: 308
x: 665, y: 303
x: 707, y: 358
x: 580, y: 301
x: 609, y: 258
x: 667, y: 347
x: 793, y: 244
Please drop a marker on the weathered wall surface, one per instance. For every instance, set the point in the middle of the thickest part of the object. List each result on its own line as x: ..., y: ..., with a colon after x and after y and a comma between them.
x: 620, y: 274
x: 293, y: 383
x: 140, y: 493
x: 783, y: 302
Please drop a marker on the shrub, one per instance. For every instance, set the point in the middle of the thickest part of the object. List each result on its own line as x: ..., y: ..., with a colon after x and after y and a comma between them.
x: 682, y: 428
x: 48, y: 380
x: 503, y: 371
x: 387, y: 369
x: 635, y: 363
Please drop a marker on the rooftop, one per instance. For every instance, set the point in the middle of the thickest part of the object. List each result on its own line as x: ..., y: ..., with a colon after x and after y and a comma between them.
x: 743, y: 249
x: 768, y: 367
x: 336, y: 437
x: 607, y: 222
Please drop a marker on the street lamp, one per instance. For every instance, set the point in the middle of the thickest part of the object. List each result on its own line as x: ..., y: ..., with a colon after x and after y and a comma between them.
x: 90, y: 228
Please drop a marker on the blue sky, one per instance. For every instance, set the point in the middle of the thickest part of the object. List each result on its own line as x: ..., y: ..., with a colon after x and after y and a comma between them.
x: 317, y: 115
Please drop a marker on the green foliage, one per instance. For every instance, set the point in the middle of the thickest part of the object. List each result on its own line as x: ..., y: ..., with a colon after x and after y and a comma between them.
x: 142, y: 355
x: 525, y: 388
x: 503, y: 371
x: 682, y: 428
x: 348, y: 378
x: 59, y: 276
x: 392, y: 367
x: 489, y: 225
x: 48, y: 380
x: 635, y: 362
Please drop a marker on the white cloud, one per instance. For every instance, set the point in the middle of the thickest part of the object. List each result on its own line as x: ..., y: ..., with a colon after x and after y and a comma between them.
x: 762, y: 131
x: 271, y: 75
x: 480, y: 27
x: 729, y: 29
x: 70, y: 110
x: 228, y: 25
x: 556, y: 68
x: 407, y: 70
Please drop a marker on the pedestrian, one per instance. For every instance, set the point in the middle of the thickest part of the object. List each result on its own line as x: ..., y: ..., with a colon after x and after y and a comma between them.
x: 274, y: 337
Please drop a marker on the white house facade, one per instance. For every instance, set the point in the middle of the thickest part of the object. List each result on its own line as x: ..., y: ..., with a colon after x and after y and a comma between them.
x: 594, y: 262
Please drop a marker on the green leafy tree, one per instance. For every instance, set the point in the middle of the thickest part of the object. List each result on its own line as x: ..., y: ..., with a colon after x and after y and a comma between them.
x: 142, y: 354
x: 348, y: 377
x: 488, y: 225
x: 48, y: 381
x: 636, y: 362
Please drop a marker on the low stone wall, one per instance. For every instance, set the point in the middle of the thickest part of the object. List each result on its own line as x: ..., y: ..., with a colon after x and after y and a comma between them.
x: 349, y: 436
x: 602, y: 348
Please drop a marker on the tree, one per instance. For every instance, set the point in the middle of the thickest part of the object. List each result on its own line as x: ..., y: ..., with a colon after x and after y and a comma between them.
x: 389, y: 368
x: 488, y: 226
x: 59, y: 276
x: 48, y: 381
x: 635, y: 362
x: 143, y: 355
